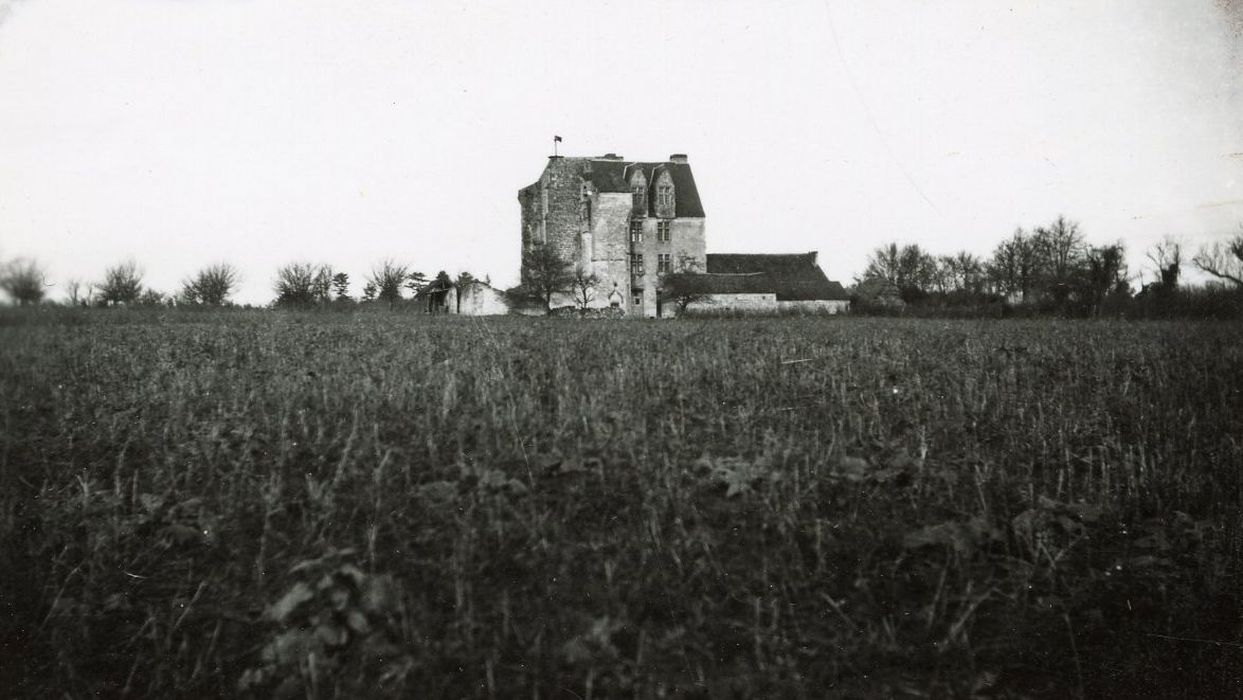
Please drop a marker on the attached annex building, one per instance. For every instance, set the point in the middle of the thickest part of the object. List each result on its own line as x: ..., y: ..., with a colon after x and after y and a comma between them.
x: 765, y: 283
x: 631, y: 222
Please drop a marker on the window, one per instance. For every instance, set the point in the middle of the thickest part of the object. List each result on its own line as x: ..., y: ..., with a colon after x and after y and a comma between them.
x: 664, y: 196
x: 640, y: 196
x: 636, y: 230
x: 638, y: 299
x: 664, y: 263
x: 636, y: 264
x: 662, y: 231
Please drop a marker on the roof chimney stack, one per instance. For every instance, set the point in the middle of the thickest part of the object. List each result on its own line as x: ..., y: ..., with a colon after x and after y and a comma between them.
x: 677, y: 158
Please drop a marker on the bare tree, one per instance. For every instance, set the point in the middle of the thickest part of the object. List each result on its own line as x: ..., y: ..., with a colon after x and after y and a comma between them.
x: 297, y: 284
x: 151, y: 297
x: 914, y: 272
x: 1060, y: 252
x: 684, y: 285
x: 23, y: 280
x: 1104, y: 272
x: 584, y: 283
x: 965, y: 271
x: 388, y: 278
x: 545, y: 274
x: 1223, y: 260
x: 884, y: 263
x: 1014, y: 264
x: 943, y: 273
x: 78, y: 293
x: 1167, y: 255
x: 122, y: 284
x: 211, y: 286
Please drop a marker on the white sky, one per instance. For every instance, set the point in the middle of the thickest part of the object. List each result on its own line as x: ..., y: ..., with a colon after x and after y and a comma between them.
x: 261, y: 132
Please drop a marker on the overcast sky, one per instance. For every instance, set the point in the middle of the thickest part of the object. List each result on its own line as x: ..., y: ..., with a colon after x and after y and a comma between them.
x: 260, y: 132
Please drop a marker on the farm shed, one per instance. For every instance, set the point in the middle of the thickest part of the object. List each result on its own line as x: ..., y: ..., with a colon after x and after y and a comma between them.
x: 469, y: 298
x: 436, y: 298
x: 764, y: 283
x: 477, y: 298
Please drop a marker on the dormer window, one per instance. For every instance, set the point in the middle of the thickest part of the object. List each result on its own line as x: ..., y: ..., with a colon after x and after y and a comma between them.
x: 664, y: 197
x: 638, y: 188
x: 663, y: 189
x: 640, y: 196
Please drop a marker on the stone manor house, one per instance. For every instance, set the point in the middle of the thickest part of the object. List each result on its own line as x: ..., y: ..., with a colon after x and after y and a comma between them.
x: 631, y: 222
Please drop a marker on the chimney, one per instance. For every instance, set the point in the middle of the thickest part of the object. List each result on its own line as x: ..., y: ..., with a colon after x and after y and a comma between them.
x: 677, y: 158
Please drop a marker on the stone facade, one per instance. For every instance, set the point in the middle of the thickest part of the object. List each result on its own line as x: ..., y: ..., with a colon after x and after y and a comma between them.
x: 627, y: 222
x: 477, y: 298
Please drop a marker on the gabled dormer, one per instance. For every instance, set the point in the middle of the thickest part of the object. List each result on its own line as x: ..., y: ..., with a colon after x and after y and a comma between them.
x: 638, y: 191
x: 663, y: 188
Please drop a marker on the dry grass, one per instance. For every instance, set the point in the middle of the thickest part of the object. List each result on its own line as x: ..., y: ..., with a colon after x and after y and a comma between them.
x: 213, y: 503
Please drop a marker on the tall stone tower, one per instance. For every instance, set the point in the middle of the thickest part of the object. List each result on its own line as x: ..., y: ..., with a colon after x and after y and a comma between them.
x: 627, y: 222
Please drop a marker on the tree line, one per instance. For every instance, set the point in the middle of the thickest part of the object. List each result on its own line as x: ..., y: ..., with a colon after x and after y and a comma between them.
x: 1049, y: 268
x: 295, y: 285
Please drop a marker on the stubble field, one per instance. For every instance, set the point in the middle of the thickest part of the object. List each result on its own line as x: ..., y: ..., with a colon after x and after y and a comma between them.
x: 373, y: 504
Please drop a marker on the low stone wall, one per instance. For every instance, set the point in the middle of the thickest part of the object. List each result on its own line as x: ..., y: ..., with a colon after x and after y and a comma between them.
x: 742, y: 303
x: 814, y: 306
x: 763, y: 304
x: 575, y: 312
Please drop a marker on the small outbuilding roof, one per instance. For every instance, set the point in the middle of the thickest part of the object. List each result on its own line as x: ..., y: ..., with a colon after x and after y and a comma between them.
x: 792, y: 277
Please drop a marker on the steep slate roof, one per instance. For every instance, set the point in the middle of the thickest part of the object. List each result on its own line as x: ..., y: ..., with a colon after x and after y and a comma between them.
x: 750, y: 283
x: 610, y: 175
x: 792, y: 277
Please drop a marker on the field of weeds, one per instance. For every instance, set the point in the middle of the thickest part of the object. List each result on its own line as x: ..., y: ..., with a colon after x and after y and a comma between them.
x: 341, y: 505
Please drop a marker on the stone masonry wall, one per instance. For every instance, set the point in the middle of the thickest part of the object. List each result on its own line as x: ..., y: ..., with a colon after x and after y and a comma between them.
x: 686, y: 240
x: 563, y: 180
x: 610, y: 238
x: 562, y: 223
